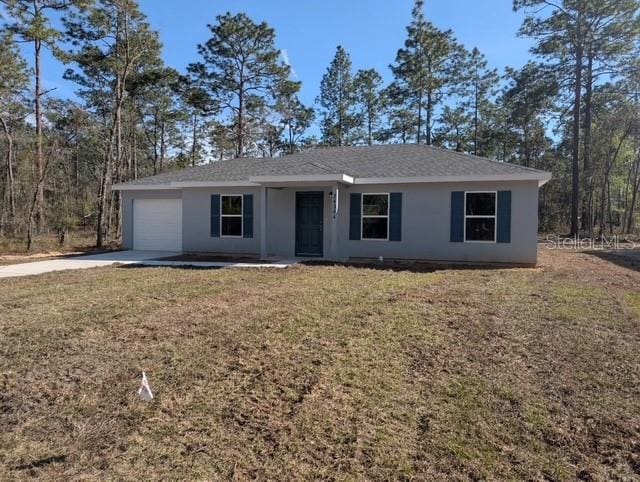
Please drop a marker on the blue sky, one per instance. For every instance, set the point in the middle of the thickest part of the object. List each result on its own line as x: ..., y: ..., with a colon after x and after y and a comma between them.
x: 309, y: 31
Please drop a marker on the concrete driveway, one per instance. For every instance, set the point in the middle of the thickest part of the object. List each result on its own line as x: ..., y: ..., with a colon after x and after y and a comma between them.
x: 81, y: 262
x: 142, y: 258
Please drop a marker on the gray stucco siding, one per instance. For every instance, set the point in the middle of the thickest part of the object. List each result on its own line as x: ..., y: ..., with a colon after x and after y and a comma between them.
x: 426, y: 211
x: 425, y: 230
x: 196, y: 222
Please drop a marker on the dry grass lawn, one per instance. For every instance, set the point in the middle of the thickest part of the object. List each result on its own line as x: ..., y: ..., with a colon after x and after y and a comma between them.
x: 323, y: 372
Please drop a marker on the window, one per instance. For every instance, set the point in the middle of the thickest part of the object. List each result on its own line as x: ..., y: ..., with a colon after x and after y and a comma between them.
x: 231, y: 216
x: 375, y: 216
x: 480, y: 217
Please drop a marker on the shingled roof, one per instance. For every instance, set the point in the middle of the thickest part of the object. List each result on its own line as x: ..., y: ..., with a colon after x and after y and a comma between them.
x: 397, y: 161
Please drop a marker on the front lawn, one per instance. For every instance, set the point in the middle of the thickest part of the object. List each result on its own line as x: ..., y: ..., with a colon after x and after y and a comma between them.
x: 320, y: 372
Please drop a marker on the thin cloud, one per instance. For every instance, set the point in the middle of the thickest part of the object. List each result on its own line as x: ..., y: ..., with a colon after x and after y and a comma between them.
x: 286, y: 60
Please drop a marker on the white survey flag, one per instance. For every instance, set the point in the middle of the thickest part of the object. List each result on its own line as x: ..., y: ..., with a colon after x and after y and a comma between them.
x: 144, y: 392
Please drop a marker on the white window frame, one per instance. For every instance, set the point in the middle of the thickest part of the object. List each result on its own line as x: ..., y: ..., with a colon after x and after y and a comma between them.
x: 363, y: 215
x: 483, y: 216
x: 241, y: 215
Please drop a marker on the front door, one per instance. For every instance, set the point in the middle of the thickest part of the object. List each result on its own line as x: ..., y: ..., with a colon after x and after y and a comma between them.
x: 309, y: 209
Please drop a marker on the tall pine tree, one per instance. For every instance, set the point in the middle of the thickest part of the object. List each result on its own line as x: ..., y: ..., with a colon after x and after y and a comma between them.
x: 427, y: 70
x: 32, y: 23
x: 481, y: 85
x: 294, y: 116
x: 13, y: 86
x: 242, y: 69
x: 572, y: 36
x: 338, y: 100
x: 113, y: 42
x: 368, y: 85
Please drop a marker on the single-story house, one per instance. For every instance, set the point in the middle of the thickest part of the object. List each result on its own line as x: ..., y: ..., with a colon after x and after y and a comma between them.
x: 395, y: 201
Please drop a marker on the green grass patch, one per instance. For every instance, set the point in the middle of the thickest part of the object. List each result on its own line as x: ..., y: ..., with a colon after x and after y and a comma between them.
x: 575, y: 302
x: 632, y: 300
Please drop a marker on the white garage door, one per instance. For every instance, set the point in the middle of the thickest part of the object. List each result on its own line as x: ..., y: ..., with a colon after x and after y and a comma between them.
x: 157, y: 224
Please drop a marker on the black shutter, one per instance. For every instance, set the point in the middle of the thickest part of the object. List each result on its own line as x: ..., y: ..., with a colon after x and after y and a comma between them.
x: 215, y: 216
x: 247, y: 216
x: 504, y: 217
x: 395, y: 216
x: 457, y: 216
x: 355, y: 220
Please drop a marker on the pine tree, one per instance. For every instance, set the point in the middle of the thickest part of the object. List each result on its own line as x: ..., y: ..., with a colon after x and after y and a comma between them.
x: 455, y: 130
x: 32, y: 23
x: 367, y: 86
x: 338, y: 99
x: 427, y: 69
x: 481, y: 85
x: 527, y: 98
x: 568, y: 36
x: 113, y: 42
x: 242, y: 69
x: 294, y: 116
x: 154, y: 94
x: 399, y: 126
x: 13, y: 86
x: 199, y: 106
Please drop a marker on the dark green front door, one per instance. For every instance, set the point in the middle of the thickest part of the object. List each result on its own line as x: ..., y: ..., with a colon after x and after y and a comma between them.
x: 309, y: 207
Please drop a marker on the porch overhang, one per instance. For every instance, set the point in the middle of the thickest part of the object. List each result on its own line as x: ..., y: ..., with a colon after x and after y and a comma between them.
x: 302, y: 180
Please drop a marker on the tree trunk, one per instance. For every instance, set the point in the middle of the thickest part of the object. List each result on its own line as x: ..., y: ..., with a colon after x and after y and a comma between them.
x: 10, y: 177
x: 527, y: 147
x: 194, y: 140
x: 76, y: 168
x: 625, y: 201
x: 163, y: 146
x: 609, y: 207
x: 107, y: 168
x: 419, y: 134
x: 575, y: 148
x: 370, y: 124
x: 134, y: 155
x: 39, y: 207
x: 291, y: 141
x: 33, y: 206
x: 635, y: 186
x: 605, y: 191
x: 105, y: 185
x: 340, y: 109
x: 601, y: 214
x: 429, y: 116
x: 587, y: 215
x: 155, y: 143
x: 240, y: 142
x: 113, y: 155
x: 475, y: 119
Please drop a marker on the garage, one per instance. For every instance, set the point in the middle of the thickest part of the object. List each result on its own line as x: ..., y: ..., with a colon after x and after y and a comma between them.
x: 157, y: 224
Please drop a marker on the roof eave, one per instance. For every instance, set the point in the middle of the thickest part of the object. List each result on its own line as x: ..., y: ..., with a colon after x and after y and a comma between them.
x: 542, y: 177
x: 180, y: 185
x: 316, y: 179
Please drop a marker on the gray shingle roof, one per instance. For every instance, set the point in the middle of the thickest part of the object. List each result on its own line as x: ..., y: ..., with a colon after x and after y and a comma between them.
x: 397, y: 160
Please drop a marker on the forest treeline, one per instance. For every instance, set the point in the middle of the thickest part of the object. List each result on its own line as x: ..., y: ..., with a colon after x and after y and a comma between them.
x: 573, y: 109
